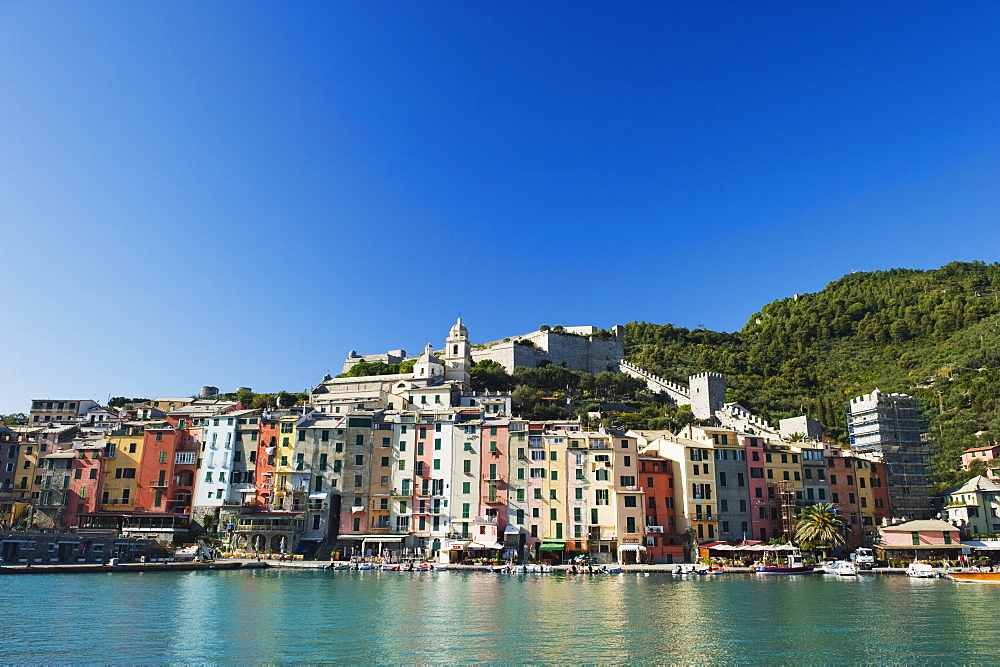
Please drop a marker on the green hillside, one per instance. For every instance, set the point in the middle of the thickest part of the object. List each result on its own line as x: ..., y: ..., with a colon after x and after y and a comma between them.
x: 933, y: 334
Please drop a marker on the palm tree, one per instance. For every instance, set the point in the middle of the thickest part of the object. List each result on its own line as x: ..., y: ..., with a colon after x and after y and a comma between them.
x: 820, y: 524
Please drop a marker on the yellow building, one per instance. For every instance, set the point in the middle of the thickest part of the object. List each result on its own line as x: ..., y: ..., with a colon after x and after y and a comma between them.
x: 783, y: 466
x: 286, y: 494
x: 121, y: 468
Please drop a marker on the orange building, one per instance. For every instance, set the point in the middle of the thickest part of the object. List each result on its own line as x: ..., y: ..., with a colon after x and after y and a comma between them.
x: 656, y: 479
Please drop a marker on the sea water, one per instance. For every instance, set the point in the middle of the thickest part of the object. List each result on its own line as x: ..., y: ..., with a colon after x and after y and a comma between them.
x: 285, y: 615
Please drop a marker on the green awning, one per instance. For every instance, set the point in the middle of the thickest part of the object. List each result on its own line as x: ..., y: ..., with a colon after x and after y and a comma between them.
x: 553, y: 545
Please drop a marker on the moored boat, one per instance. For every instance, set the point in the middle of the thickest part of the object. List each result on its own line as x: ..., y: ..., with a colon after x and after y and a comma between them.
x: 975, y: 577
x: 843, y: 568
x: 793, y: 565
x: 784, y: 569
x: 920, y: 570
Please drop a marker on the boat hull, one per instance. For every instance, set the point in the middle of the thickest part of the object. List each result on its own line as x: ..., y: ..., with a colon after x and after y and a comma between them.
x: 769, y: 569
x: 976, y: 577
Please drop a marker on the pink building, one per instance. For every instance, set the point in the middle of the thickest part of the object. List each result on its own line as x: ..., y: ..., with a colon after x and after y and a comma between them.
x: 924, y: 539
x: 983, y: 454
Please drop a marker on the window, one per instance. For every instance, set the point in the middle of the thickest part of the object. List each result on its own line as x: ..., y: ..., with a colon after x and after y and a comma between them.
x: 519, y: 495
x: 578, y: 493
x: 552, y: 495
x: 627, y: 480
x: 628, y: 462
x: 630, y: 501
x: 465, y: 510
x: 601, y: 497
x: 554, y: 475
x: 466, y: 487
x: 756, y: 473
x: 538, y: 494
x: 630, y: 524
x: 538, y: 472
x: 722, y: 479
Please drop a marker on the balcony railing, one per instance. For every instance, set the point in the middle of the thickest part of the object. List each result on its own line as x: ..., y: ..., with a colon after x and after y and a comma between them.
x: 492, y: 500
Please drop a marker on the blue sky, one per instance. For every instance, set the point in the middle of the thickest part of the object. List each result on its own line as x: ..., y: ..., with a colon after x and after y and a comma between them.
x: 235, y: 193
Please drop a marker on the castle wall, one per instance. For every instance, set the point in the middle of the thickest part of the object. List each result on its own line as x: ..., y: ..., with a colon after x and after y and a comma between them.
x: 578, y: 353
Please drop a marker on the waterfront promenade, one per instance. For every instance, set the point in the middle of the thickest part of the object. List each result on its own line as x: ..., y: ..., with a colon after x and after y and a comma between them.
x: 250, y: 563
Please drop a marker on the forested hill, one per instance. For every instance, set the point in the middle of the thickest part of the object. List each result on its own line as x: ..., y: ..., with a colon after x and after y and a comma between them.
x: 932, y: 334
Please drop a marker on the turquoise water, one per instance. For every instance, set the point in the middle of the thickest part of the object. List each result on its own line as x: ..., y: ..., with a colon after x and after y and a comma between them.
x: 267, y: 616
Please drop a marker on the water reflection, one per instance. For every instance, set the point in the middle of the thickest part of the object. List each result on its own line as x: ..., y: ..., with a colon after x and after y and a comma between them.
x: 390, y: 617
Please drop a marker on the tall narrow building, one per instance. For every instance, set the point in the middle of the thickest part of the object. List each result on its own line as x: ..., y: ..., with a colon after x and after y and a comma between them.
x: 890, y: 425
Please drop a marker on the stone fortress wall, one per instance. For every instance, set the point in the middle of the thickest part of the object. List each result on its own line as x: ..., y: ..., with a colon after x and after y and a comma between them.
x: 576, y: 348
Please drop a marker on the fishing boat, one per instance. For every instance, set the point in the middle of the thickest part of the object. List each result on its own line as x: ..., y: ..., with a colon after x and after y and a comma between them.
x: 975, y: 577
x: 793, y: 565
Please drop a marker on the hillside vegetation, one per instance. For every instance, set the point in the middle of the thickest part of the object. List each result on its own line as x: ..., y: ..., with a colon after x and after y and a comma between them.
x: 932, y: 334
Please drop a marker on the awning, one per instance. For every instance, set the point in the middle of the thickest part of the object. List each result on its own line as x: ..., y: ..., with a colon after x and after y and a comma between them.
x: 380, y: 538
x: 981, y: 545
x: 484, y: 545
x: 917, y: 547
x: 552, y: 545
x: 319, y: 495
x: 631, y: 547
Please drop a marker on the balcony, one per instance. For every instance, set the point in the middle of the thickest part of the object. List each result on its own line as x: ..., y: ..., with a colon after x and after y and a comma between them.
x: 654, y: 529
x: 397, y: 493
x: 487, y: 519
x: 493, y: 500
x: 494, y: 479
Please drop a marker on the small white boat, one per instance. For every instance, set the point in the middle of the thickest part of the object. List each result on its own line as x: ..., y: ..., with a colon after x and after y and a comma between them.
x: 440, y: 566
x: 364, y: 566
x: 843, y: 568
x: 920, y: 570
x: 537, y: 568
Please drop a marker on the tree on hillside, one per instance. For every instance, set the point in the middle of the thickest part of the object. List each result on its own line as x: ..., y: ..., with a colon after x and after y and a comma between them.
x: 821, y: 525
x: 14, y: 419
x: 491, y: 375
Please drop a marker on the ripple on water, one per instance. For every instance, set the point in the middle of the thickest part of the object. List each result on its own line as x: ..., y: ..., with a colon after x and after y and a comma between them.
x: 386, y: 617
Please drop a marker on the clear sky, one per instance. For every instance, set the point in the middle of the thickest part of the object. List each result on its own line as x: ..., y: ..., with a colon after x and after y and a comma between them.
x: 238, y: 193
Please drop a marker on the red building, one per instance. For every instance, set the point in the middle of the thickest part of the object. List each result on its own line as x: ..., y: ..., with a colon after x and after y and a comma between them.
x: 84, y: 484
x: 494, y: 440
x: 264, y: 470
x: 841, y: 477
x: 656, y: 479
x: 760, y: 515
x: 167, y: 468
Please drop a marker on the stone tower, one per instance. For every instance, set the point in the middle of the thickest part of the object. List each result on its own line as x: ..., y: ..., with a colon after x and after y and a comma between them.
x: 708, y: 394
x: 457, y: 357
